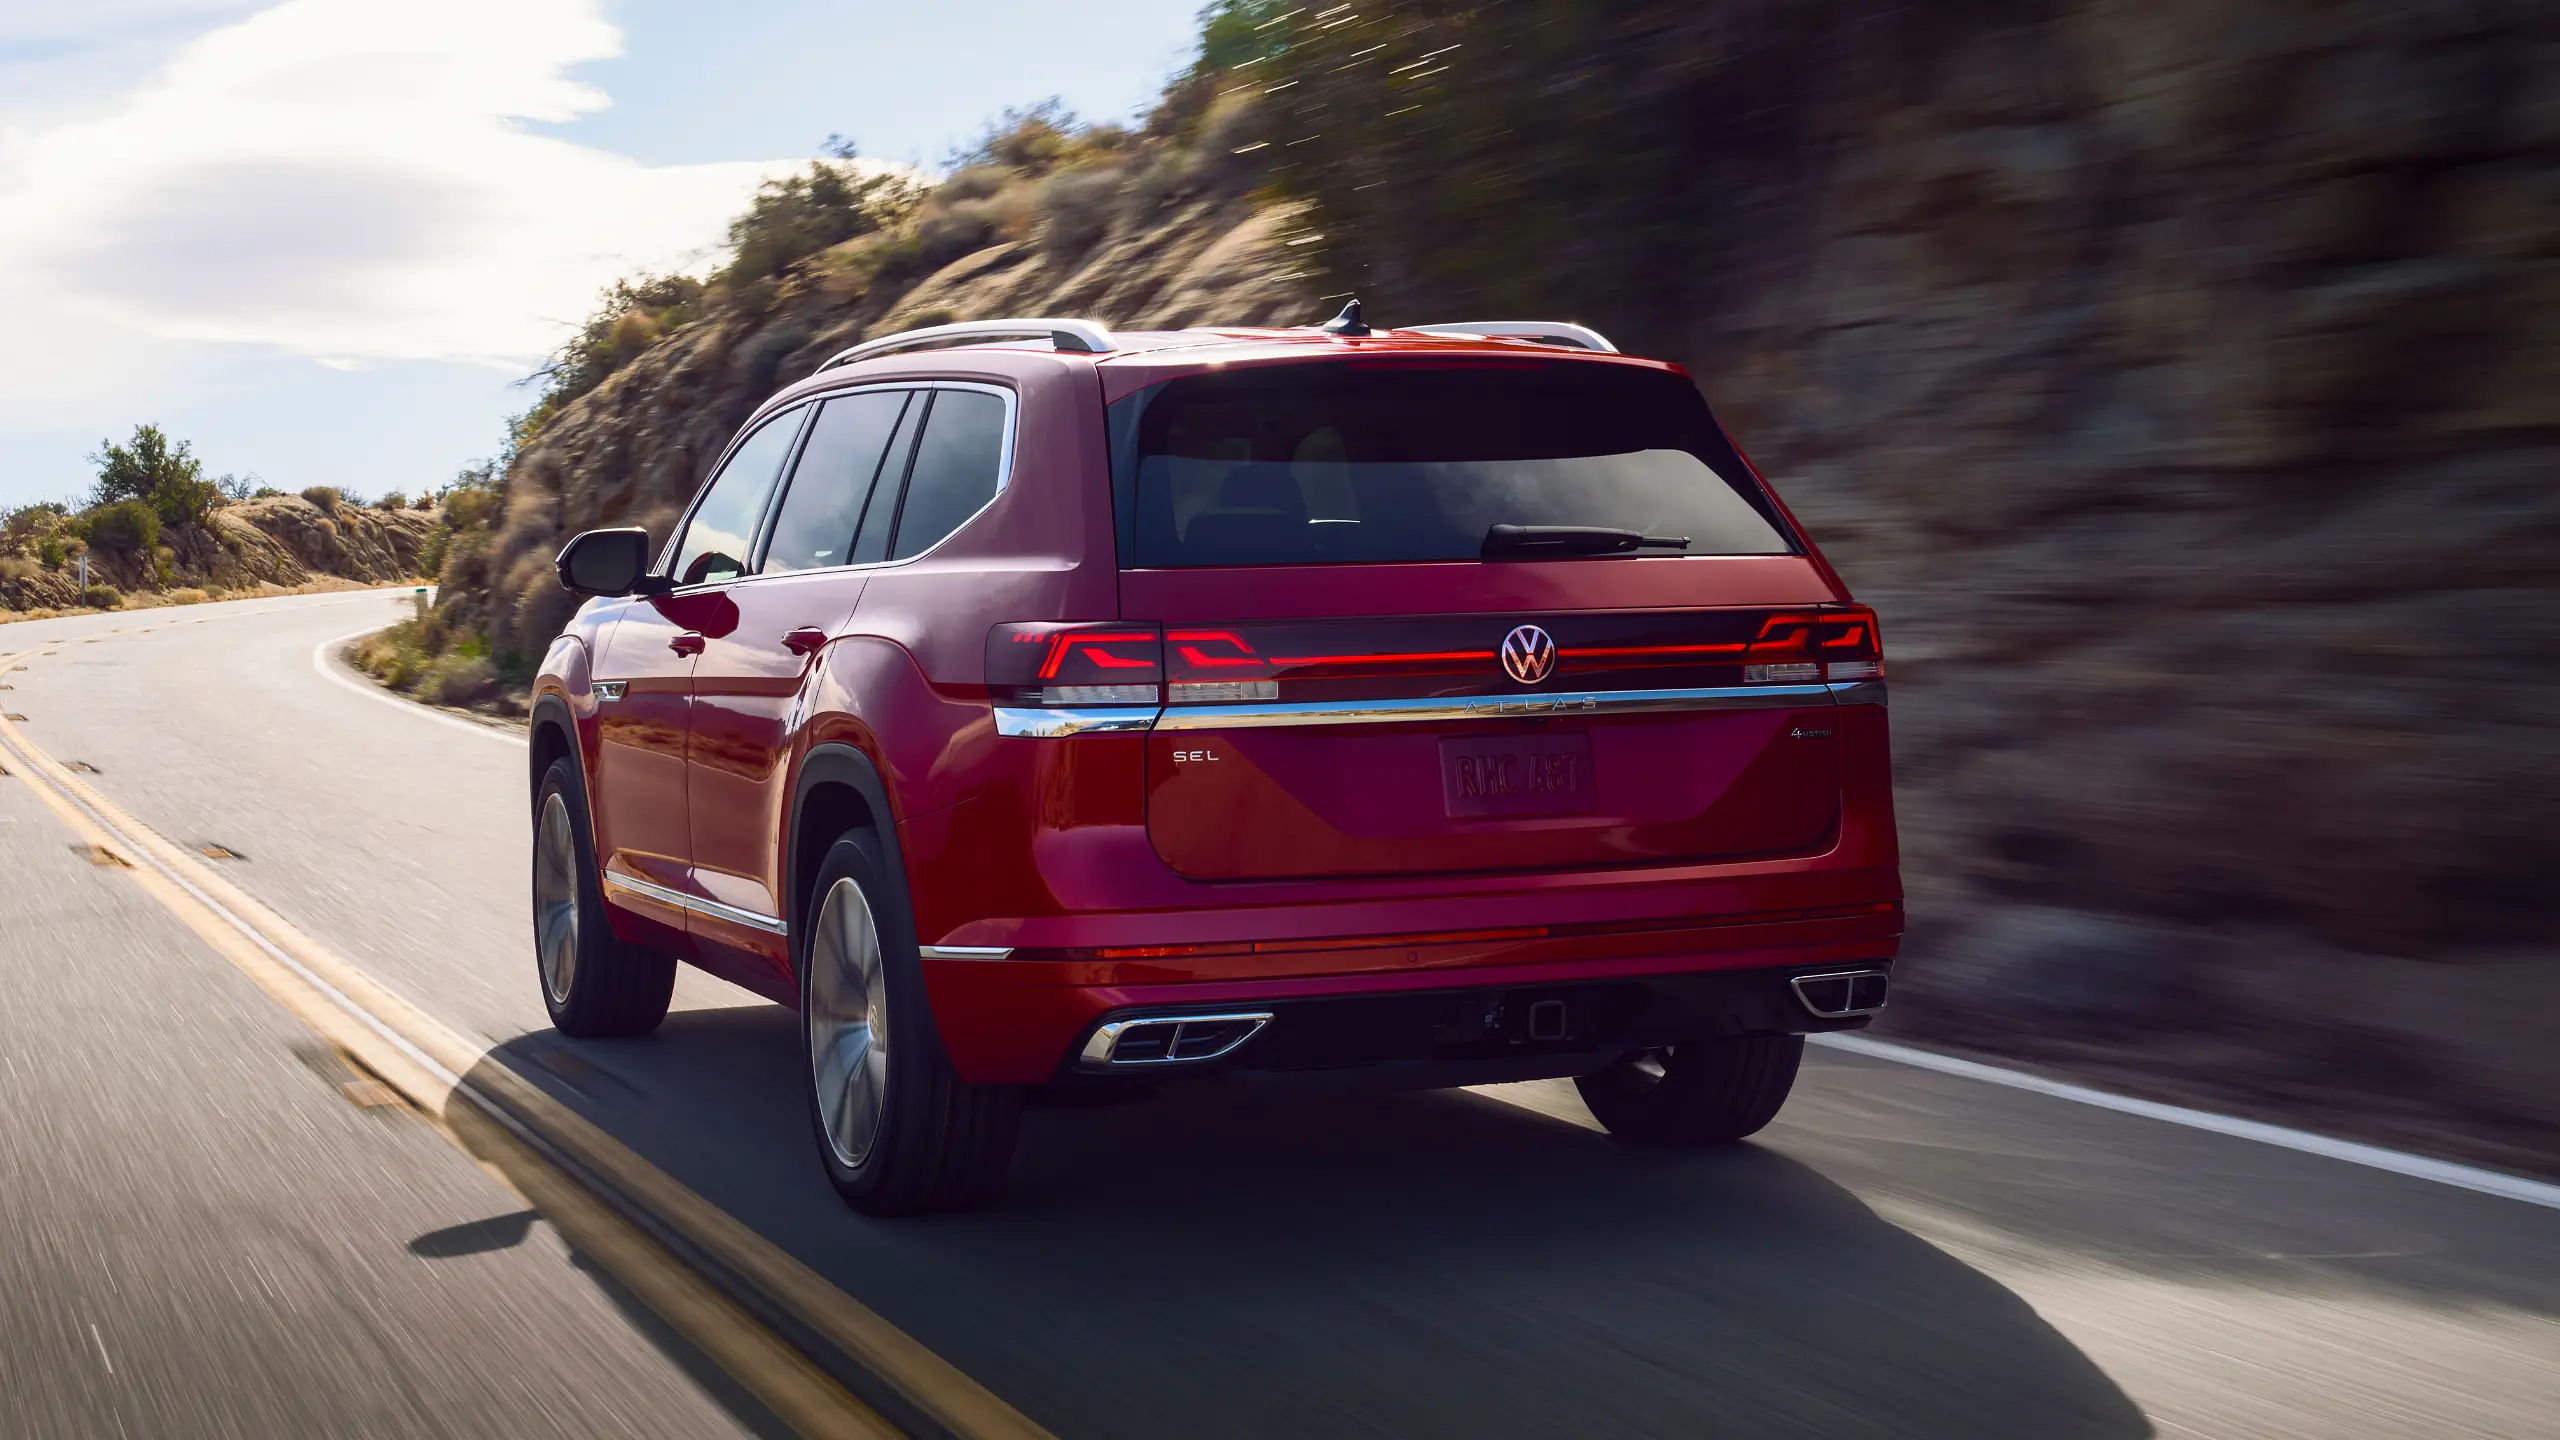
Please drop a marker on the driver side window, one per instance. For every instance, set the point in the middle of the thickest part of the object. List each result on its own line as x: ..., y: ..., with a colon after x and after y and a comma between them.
x: 723, y: 528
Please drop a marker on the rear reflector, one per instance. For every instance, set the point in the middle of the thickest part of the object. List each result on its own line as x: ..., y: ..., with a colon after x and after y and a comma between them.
x: 1098, y: 695
x: 1221, y: 692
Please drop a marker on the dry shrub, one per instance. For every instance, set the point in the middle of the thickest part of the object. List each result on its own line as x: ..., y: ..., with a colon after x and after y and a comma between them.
x: 975, y: 183
x: 460, y: 680
x: 1076, y: 209
x: 102, y: 597
x: 186, y: 595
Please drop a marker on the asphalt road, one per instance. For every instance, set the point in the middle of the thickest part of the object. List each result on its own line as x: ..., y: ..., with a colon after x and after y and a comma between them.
x: 1904, y: 1253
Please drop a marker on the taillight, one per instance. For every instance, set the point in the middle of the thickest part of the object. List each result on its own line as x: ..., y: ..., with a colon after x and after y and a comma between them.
x: 1849, y: 644
x: 1216, y: 667
x: 1805, y: 647
x: 1055, y: 666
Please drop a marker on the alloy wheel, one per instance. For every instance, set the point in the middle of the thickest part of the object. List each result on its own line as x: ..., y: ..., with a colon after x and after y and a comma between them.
x: 555, y: 898
x: 848, y: 1024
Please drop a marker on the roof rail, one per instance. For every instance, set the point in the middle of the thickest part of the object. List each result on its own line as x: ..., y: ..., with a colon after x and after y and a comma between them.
x: 1550, y: 332
x: 1072, y: 336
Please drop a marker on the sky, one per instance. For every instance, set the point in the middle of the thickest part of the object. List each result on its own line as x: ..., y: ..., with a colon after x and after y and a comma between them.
x: 323, y: 240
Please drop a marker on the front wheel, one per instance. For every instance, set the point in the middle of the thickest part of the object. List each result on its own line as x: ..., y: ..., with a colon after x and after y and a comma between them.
x: 898, y: 1130
x: 1703, y: 1093
x: 593, y: 984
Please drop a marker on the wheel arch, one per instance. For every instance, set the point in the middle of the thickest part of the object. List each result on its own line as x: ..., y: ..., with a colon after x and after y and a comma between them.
x: 550, y: 735
x: 837, y: 791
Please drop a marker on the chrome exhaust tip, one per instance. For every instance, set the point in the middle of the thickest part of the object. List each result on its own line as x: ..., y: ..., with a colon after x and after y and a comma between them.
x: 1170, y: 1039
x: 1841, y: 994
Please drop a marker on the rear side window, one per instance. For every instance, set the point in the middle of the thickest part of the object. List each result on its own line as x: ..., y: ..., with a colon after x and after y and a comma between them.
x: 723, y: 525
x: 959, y: 466
x: 1347, y: 462
x: 839, y: 466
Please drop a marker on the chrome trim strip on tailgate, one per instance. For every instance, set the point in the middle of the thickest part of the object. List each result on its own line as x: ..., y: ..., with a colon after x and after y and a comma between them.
x: 696, y: 904
x: 1489, y: 707
x: 1019, y: 722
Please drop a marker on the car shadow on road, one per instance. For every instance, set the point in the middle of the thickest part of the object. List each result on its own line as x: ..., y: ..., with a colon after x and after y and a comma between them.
x: 1243, y: 1261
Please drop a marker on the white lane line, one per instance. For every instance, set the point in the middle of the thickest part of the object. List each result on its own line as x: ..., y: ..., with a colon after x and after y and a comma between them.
x: 322, y: 662
x: 2374, y: 1157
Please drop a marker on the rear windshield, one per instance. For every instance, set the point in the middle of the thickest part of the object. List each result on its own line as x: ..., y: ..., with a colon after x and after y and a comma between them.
x: 1383, y: 462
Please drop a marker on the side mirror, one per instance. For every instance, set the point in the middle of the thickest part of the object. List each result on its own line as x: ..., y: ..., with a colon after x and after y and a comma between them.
x: 608, y: 562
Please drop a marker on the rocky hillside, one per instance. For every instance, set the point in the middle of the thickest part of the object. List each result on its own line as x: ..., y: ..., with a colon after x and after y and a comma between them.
x: 2178, y: 379
x: 281, y: 540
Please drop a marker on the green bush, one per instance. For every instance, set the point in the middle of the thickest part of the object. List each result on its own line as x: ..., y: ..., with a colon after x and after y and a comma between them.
x: 799, y: 215
x: 325, y: 498
x: 127, y: 527
x: 50, y: 551
x: 167, y: 477
x: 102, y: 597
x: 392, y: 500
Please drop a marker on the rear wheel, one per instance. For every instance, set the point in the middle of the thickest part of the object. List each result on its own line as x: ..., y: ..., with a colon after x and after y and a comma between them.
x: 593, y: 984
x: 1702, y: 1093
x: 898, y: 1130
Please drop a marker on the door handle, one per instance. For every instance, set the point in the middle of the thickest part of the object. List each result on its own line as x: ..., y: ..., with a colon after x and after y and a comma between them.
x: 688, y: 642
x: 805, y: 640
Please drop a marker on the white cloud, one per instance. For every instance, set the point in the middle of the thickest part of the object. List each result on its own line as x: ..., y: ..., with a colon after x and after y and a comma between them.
x: 345, y: 180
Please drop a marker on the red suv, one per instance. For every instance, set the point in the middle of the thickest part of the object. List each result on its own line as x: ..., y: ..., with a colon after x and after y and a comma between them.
x: 1034, y: 705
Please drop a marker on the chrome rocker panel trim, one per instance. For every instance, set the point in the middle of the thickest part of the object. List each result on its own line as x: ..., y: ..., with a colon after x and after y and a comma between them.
x: 696, y: 904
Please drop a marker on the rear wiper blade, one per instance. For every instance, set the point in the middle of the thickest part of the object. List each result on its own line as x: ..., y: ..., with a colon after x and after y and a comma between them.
x: 1512, y: 542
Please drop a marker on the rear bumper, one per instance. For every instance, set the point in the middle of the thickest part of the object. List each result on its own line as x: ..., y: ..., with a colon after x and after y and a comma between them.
x: 1451, y: 1012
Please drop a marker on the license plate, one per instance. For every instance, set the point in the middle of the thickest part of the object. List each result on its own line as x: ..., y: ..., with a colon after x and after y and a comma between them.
x: 1517, y: 775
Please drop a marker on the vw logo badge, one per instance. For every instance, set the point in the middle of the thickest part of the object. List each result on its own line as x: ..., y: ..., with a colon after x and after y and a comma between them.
x: 1528, y: 655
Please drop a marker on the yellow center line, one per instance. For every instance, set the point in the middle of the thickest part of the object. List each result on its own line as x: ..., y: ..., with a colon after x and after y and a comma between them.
x: 421, y: 1057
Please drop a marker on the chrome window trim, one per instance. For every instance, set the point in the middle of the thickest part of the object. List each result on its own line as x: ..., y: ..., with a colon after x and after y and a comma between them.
x: 1026, y: 722
x: 1004, y: 479
x: 696, y: 904
x: 1857, y: 692
x: 1487, y: 707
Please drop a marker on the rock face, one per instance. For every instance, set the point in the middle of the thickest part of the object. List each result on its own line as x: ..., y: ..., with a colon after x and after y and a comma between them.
x: 2180, y: 380
x: 2182, y: 383
x: 286, y: 540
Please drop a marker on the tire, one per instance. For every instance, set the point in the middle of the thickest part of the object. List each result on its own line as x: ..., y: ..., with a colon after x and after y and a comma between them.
x: 898, y: 1131
x: 594, y: 985
x: 1707, y: 1092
